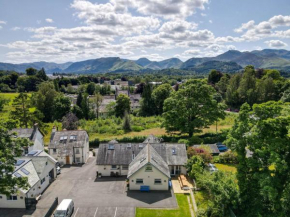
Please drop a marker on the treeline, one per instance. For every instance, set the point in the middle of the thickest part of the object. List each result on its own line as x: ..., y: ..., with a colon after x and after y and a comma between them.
x: 251, y: 86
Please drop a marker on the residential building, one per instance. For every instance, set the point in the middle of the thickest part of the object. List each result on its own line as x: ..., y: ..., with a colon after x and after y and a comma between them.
x: 69, y: 146
x: 124, y: 159
x: 33, y: 134
x: 39, y: 170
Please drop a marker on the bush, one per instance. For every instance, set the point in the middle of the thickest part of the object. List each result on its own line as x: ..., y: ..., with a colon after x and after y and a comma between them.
x: 194, y: 141
x: 137, y: 128
x: 136, y: 139
x: 183, y: 141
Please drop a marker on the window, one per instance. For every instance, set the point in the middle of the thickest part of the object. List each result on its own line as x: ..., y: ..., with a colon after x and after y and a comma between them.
x: 114, y: 167
x: 139, y: 181
x: 140, y: 145
x: 17, y: 175
x: 61, y: 139
x: 125, y: 167
x: 25, y: 171
x: 129, y: 146
x: 111, y: 147
x: 42, y: 181
x: 25, y: 150
x: 64, y: 139
x: 78, y: 160
x: 54, y: 150
x: 19, y: 162
x: 157, y: 181
x: 148, y: 169
x: 11, y: 197
x: 73, y: 138
x: 77, y: 151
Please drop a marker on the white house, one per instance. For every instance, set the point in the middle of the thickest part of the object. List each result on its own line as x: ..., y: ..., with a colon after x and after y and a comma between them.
x: 122, y: 159
x: 33, y: 134
x: 69, y: 146
x: 39, y: 170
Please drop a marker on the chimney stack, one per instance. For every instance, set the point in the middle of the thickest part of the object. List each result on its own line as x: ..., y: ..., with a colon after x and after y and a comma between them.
x: 53, y: 129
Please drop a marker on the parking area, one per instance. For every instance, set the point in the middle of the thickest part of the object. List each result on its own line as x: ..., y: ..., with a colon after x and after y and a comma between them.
x: 103, y: 197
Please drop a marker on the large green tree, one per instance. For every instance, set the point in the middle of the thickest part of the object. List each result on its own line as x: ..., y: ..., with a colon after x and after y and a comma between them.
x: 263, y: 176
x: 147, y: 103
x: 159, y: 95
x: 122, y: 105
x: 10, y: 147
x: 191, y: 108
x: 43, y: 100
x: 62, y: 106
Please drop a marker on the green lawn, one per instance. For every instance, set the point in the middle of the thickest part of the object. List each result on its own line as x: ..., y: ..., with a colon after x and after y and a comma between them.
x: 227, y: 167
x: 201, y: 199
x: 182, y: 211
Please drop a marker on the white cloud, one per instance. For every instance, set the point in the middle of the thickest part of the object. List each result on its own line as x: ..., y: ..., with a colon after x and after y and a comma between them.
x: 48, y: 20
x: 245, y: 26
x: 191, y: 52
x: 210, y: 21
x: 1, y: 27
x: 3, y: 22
x: 15, y: 28
x: 38, y: 21
x: 177, y: 26
x: 276, y: 43
x: 203, y: 15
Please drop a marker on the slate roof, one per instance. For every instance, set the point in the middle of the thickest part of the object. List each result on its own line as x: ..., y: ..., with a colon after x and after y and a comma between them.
x: 40, y: 153
x: 151, y: 139
x: 65, y: 147
x: 123, y: 153
x: 29, y: 133
x: 148, y: 156
x: 28, y: 165
x: 213, y: 147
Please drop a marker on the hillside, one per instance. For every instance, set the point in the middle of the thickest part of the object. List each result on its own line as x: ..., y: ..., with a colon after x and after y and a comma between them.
x: 204, y: 68
x: 164, y: 64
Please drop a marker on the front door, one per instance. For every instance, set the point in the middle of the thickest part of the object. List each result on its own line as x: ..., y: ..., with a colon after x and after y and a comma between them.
x: 67, y: 160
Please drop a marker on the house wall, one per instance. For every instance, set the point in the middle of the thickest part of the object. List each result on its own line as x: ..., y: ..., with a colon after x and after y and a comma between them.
x: 19, y: 203
x: 60, y: 159
x: 108, y: 170
x: 148, y: 179
x: 45, y: 174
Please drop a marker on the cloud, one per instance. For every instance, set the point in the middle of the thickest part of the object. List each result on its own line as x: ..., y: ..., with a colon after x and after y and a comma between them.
x: 177, y: 26
x: 203, y: 15
x: 3, y: 22
x: 15, y: 28
x: 276, y: 43
x: 245, y: 26
x: 191, y: 52
x: 210, y: 21
x: 48, y: 20
x: 1, y: 27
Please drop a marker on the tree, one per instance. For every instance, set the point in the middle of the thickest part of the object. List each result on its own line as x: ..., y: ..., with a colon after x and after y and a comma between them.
x: 147, y: 103
x: 264, y: 131
x: 191, y: 108
x: 43, y: 100
x: 195, y: 166
x: 31, y: 71
x: 203, y: 152
x: 62, y: 106
x: 20, y: 112
x: 91, y: 88
x: 127, y: 123
x: 111, y: 109
x: 122, y: 105
x: 78, y: 112
x: 286, y: 96
x: 3, y: 102
x: 159, y: 95
x: 85, y: 106
x: 98, y: 99
x: 223, y: 192
x: 79, y: 99
x: 232, y: 94
x: 70, y: 121
x: 214, y: 76
x: 42, y: 75
x: 10, y: 148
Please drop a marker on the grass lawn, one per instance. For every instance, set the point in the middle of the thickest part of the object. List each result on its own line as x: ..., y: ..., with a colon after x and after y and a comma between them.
x: 227, y: 167
x: 182, y: 211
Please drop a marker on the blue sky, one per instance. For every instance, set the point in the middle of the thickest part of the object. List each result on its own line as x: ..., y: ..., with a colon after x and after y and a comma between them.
x: 74, y: 30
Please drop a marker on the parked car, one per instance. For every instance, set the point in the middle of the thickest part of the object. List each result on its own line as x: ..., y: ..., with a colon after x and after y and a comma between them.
x: 221, y: 147
x: 211, y: 168
x: 65, y: 208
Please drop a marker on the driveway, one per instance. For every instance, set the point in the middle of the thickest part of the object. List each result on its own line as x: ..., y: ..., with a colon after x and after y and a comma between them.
x: 103, y: 197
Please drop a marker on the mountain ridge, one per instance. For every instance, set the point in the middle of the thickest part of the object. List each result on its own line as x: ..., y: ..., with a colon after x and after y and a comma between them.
x: 228, y: 61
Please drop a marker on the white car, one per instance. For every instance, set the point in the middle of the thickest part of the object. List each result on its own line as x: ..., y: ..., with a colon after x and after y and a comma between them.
x: 212, y: 168
x: 58, y: 171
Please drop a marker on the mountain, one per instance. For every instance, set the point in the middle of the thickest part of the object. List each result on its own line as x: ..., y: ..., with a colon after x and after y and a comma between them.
x: 206, y: 67
x: 165, y: 64
x: 227, y: 62
x: 49, y: 67
x: 109, y: 64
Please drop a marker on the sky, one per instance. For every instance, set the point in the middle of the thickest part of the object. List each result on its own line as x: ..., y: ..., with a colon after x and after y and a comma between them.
x: 75, y: 30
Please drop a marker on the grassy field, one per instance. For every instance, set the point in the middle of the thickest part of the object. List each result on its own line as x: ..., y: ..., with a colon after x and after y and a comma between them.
x: 226, y: 167
x: 182, y: 211
x: 201, y: 199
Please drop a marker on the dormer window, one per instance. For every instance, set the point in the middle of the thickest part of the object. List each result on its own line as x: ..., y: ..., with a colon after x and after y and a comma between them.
x: 61, y: 139
x: 129, y: 146
x: 111, y: 146
x: 73, y: 138
x: 140, y: 145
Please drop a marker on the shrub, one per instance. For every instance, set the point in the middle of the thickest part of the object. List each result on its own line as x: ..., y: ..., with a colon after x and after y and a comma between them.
x: 94, y: 143
x: 137, y: 128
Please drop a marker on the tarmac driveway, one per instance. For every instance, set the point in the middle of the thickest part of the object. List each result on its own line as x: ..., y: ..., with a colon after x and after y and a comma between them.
x: 103, y: 197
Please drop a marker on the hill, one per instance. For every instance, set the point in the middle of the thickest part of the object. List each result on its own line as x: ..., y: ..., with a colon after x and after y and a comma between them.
x: 206, y: 67
x: 165, y: 64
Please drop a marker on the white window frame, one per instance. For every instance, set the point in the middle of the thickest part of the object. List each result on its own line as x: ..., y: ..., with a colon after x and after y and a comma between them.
x: 77, y: 151
x: 12, y: 197
x: 78, y: 159
x: 113, y: 167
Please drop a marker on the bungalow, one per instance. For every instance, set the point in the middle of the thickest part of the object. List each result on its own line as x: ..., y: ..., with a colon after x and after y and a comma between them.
x: 69, y: 146
x: 39, y: 170
x: 135, y: 160
x: 33, y: 134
